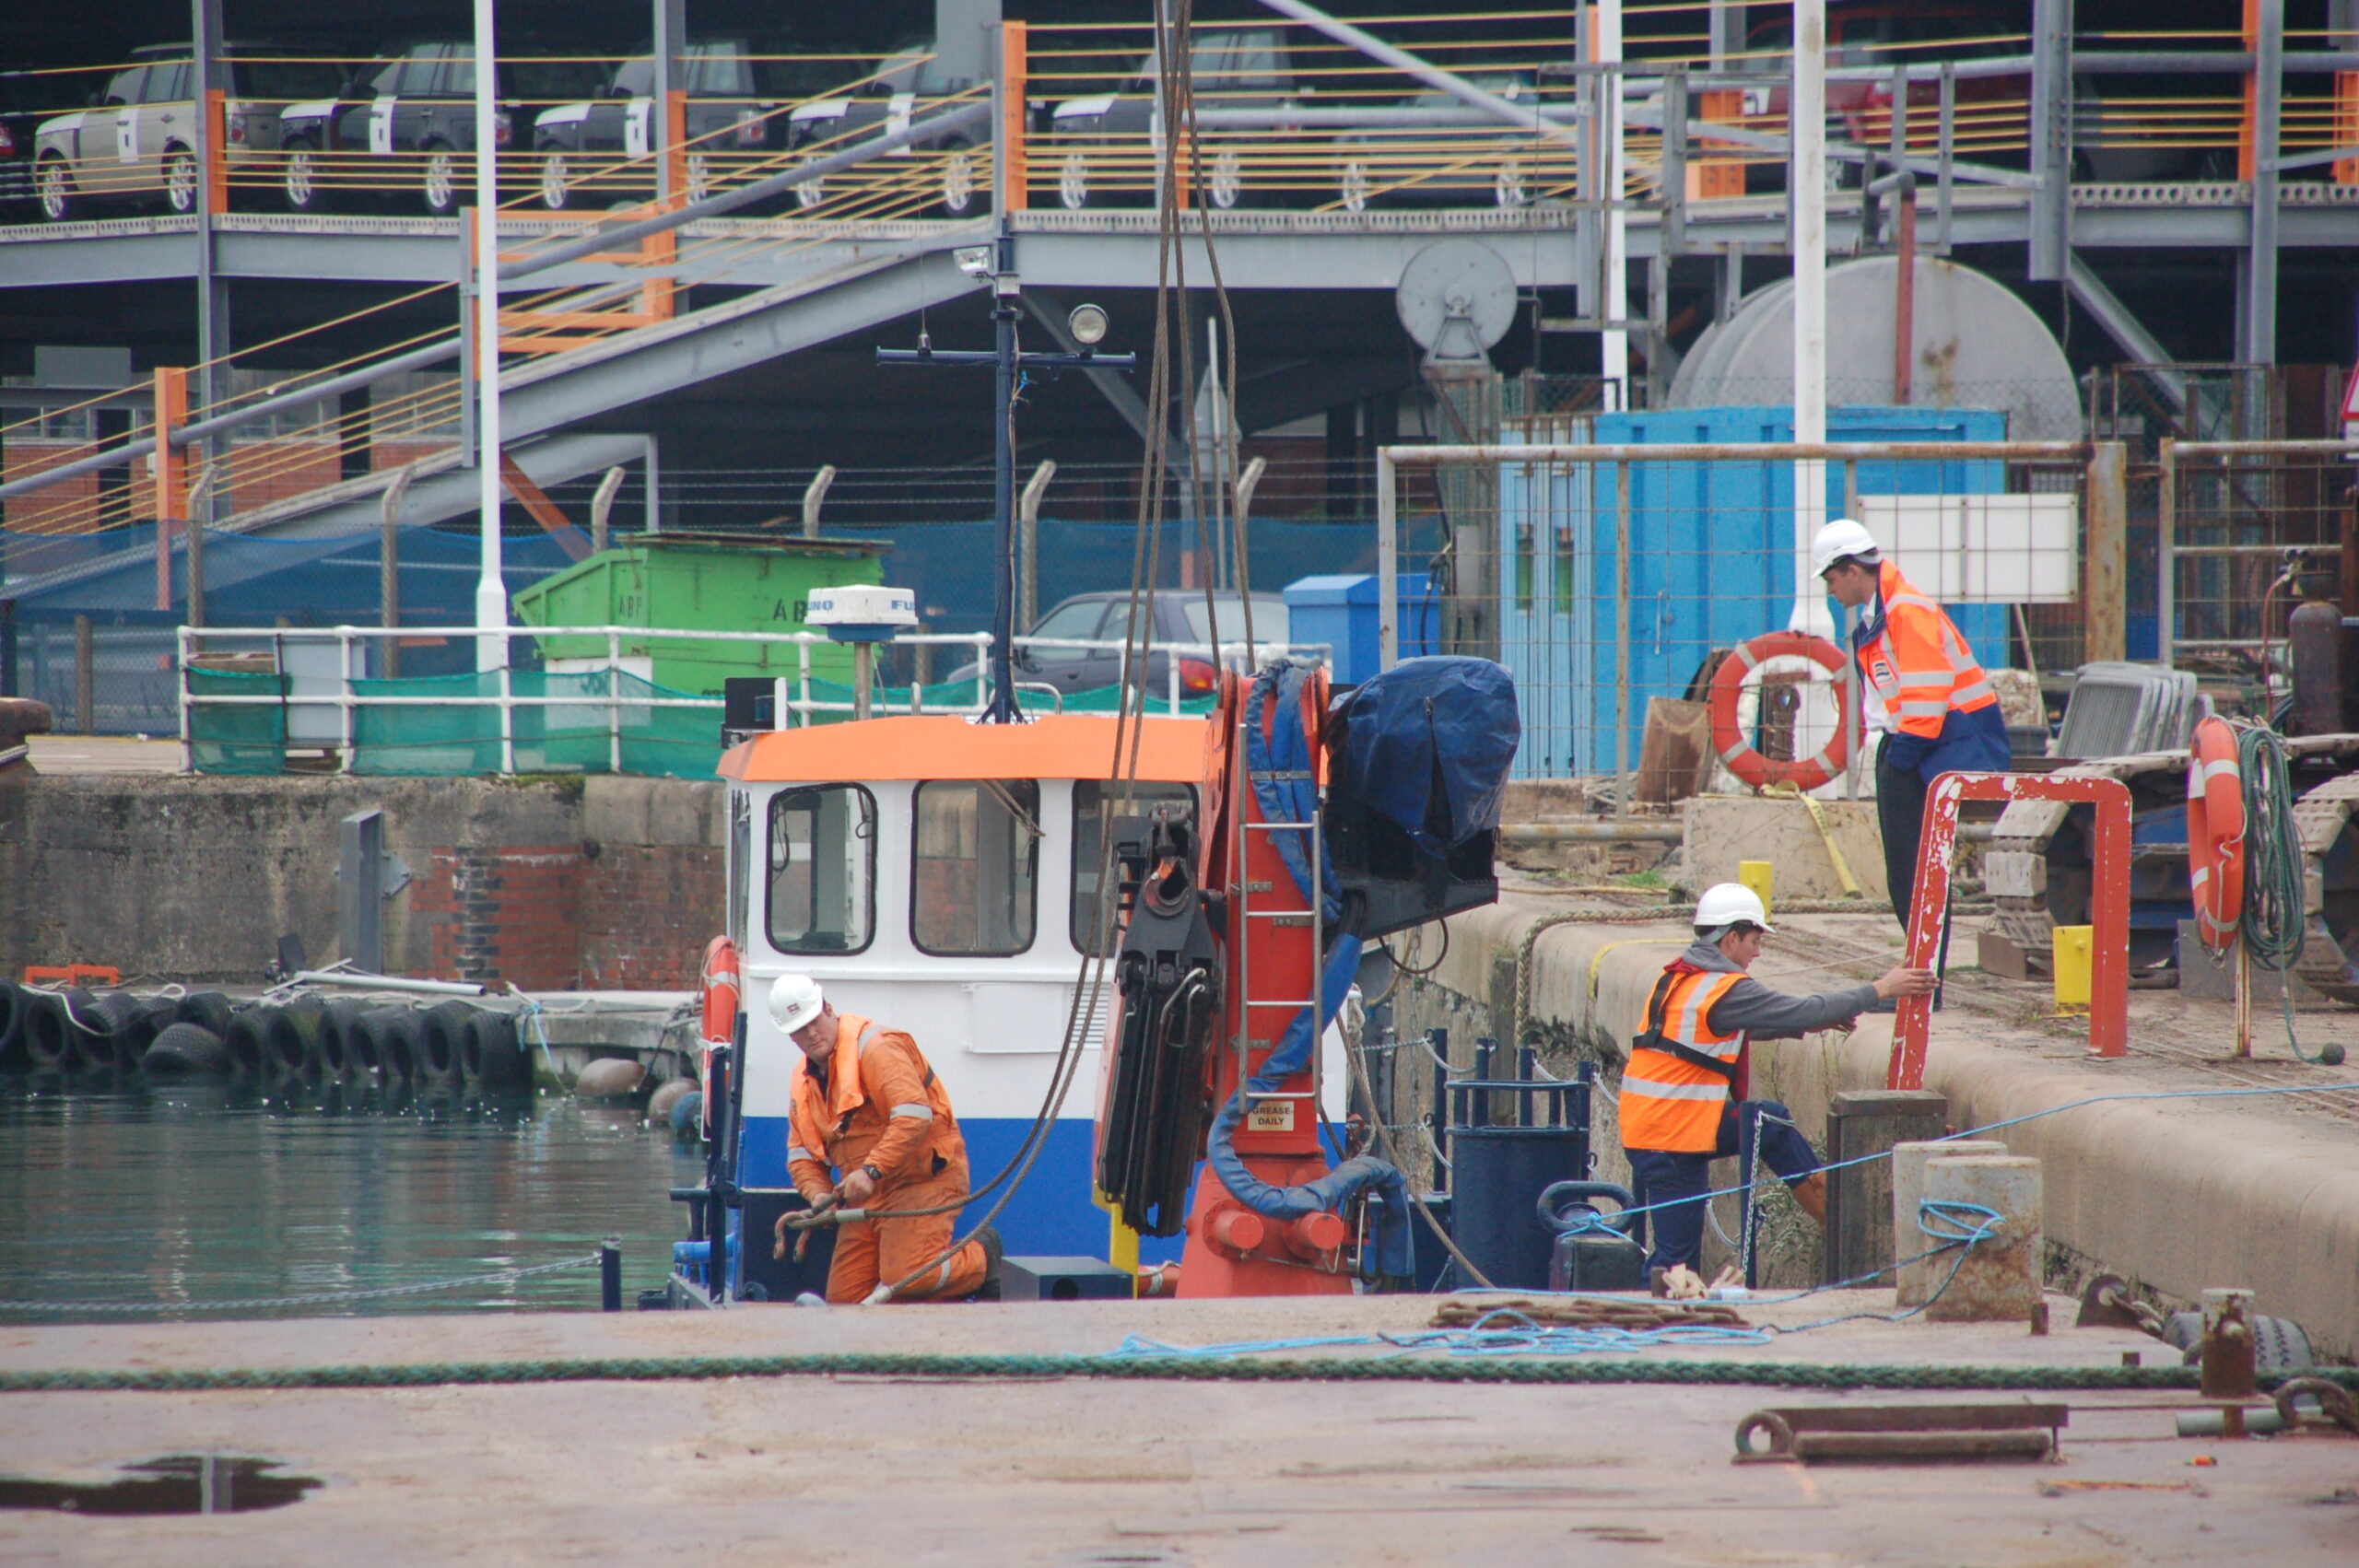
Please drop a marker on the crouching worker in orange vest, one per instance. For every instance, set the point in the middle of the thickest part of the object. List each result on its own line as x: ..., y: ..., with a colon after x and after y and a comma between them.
x: 867, y: 1104
x: 1682, y: 1100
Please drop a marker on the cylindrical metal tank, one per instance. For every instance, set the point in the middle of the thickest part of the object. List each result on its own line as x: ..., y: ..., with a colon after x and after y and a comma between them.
x: 1498, y: 1170
x: 1973, y: 344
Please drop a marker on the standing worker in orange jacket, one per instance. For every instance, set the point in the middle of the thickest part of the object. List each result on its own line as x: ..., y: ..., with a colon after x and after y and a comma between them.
x: 1925, y: 693
x: 1683, y: 1102
x: 866, y: 1104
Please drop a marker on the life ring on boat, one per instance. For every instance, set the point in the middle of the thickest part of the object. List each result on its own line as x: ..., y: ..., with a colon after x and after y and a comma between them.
x: 2215, y: 833
x: 724, y: 995
x: 1737, y: 752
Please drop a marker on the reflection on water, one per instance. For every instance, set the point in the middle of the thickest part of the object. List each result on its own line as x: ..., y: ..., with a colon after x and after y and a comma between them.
x: 193, y: 1191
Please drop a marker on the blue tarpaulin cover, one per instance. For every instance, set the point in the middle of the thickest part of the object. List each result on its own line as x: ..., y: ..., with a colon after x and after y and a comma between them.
x: 1457, y: 713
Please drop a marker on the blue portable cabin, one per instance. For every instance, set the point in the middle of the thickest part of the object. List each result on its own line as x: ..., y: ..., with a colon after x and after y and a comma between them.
x: 1711, y: 563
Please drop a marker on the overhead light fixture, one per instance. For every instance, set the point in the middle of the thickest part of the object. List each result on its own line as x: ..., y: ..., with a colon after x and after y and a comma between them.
x: 1087, y: 324
x: 975, y: 260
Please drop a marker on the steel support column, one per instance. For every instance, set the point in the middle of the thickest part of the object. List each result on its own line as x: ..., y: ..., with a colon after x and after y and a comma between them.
x: 2051, y: 139
x: 2257, y: 310
x: 209, y: 379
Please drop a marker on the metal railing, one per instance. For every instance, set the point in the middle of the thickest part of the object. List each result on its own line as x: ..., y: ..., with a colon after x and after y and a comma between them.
x: 795, y: 699
x: 2240, y: 525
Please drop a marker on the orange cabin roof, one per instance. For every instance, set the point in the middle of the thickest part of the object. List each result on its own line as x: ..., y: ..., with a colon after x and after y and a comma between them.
x: 1070, y: 745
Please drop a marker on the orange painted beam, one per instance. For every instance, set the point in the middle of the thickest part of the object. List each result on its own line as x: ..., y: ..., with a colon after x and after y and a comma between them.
x: 217, y: 150
x: 569, y: 539
x: 1014, y: 55
x: 171, y: 473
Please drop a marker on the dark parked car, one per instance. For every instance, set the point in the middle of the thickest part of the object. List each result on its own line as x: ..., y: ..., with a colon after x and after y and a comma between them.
x: 408, y: 120
x: 903, y: 85
x: 1179, y: 617
x: 736, y: 88
x: 1483, y: 164
x: 1228, y: 68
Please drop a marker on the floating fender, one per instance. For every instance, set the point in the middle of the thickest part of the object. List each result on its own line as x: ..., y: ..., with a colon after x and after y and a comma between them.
x: 120, y: 1030
x: 208, y: 1008
x: 441, y: 1038
x: 2279, y: 1344
x: 668, y: 1094
x: 305, y: 1019
x: 688, y: 1114
x: 12, y: 1026
x: 391, y: 1035
x: 488, y: 1053
x: 184, y: 1048
x: 1737, y: 752
x: 345, y: 1058
x: 52, y: 1037
x: 610, y: 1078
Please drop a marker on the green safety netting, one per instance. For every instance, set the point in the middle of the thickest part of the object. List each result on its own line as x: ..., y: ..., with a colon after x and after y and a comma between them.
x: 564, y: 726
x: 237, y: 737
x: 449, y: 725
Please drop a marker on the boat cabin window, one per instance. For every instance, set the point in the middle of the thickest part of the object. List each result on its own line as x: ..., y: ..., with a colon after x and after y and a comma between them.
x: 823, y: 869
x: 974, y: 867
x: 1092, y: 800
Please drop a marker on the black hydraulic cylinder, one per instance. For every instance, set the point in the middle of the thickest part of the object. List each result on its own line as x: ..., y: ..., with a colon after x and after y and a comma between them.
x: 610, y: 1274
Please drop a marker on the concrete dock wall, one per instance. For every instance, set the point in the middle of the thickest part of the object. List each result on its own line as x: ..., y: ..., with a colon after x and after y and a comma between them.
x: 2177, y: 1195
x: 604, y: 883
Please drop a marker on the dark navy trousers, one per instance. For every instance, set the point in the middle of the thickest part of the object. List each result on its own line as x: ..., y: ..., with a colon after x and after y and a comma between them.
x: 1661, y: 1176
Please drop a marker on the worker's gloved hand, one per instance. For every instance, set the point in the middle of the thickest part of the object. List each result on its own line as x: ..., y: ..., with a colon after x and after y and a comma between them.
x: 1900, y: 982
x: 1903, y: 752
x: 857, y: 1187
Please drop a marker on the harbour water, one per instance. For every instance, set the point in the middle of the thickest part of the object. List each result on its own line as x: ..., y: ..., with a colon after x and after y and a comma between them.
x: 178, y: 1194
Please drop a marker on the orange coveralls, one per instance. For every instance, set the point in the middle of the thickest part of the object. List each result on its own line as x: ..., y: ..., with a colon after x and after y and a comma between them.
x: 879, y: 1104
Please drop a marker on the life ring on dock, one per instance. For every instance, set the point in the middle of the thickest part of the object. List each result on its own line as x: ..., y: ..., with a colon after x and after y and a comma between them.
x: 2215, y: 833
x: 1737, y: 752
x: 724, y: 996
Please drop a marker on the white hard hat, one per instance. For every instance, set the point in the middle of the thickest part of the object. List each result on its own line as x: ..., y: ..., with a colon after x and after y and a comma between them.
x: 1837, y: 539
x: 795, y: 1001
x: 1726, y: 903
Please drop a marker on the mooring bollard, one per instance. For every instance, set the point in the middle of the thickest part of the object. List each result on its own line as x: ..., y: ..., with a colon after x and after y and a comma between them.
x: 610, y: 1274
x: 1998, y: 1279
x: 1914, y: 1281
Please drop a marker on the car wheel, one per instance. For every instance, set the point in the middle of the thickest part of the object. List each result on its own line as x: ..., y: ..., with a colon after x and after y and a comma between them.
x: 1357, y: 186
x: 180, y: 182
x: 554, y: 195
x: 53, y: 188
x: 300, y: 182
x: 699, y: 174
x: 810, y: 192
x: 441, y: 186
x: 1227, y: 186
x: 959, y: 183
x: 1507, y: 186
x: 1073, y: 181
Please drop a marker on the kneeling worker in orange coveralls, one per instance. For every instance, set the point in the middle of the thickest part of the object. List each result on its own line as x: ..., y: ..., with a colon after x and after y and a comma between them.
x: 866, y: 1104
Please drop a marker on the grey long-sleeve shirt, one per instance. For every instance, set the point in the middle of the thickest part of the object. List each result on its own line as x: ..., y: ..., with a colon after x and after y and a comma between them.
x: 1764, y: 1015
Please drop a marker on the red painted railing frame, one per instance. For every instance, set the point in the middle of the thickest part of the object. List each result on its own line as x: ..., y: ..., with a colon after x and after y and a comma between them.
x: 2109, y: 905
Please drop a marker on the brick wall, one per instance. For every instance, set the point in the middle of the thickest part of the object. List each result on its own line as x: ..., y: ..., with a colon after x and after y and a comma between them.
x: 500, y: 914
x: 647, y: 912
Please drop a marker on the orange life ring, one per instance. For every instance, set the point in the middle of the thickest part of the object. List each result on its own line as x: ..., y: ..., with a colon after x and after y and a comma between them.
x: 1728, y: 735
x: 723, y: 994
x: 2215, y: 833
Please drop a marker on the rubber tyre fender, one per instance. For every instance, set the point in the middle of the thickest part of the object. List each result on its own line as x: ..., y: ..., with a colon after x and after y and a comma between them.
x: 393, y: 1031
x: 248, y: 1036
x: 306, y: 1021
x: 1737, y: 754
x: 2279, y: 1344
x: 52, y: 1036
x: 208, y: 1008
x: 2215, y: 833
x: 441, y: 1033
x: 188, y: 1048
x: 12, y: 1026
x: 345, y: 1055
x: 125, y: 1029
x: 491, y: 1053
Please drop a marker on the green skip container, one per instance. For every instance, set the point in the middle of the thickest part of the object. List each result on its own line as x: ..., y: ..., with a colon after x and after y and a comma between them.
x: 723, y: 583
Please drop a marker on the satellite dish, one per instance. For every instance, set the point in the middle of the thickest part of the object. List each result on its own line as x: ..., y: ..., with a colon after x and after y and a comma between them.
x: 1456, y: 298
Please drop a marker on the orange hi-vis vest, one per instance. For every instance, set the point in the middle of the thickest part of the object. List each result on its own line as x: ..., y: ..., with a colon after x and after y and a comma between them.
x: 1918, y: 664
x: 880, y: 1105
x: 1671, y: 1100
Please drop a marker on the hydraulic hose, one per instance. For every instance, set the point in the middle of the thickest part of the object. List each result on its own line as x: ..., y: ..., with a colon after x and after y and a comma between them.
x: 2273, y: 925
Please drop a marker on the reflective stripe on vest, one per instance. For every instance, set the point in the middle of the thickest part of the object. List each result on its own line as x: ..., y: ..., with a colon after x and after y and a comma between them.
x: 1670, y: 1104
x: 1937, y: 679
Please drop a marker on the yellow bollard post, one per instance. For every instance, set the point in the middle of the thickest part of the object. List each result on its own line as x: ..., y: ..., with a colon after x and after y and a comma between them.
x: 2071, y: 951
x: 1755, y: 874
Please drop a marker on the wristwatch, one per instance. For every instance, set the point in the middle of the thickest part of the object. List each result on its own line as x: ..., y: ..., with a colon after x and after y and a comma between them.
x: 874, y: 1174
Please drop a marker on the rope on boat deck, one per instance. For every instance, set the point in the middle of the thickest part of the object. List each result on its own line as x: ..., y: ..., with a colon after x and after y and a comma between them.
x: 1132, y: 1367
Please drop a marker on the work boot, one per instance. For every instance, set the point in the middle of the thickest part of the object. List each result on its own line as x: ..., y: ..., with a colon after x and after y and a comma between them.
x: 1811, y: 1193
x: 989, y: 1239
